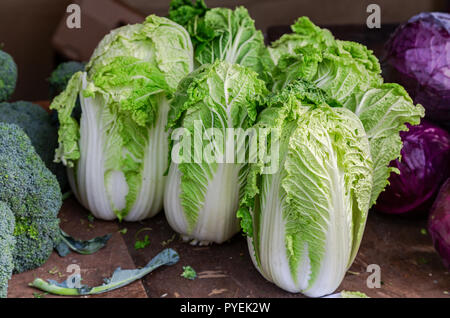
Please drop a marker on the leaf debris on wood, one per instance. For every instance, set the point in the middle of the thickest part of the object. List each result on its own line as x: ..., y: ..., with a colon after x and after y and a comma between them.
x: 189, y: 273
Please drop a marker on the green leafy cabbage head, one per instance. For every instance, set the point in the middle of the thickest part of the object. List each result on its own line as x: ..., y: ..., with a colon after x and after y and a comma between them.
x: 202, y: 195
x: 120, y: 142
x: 351, y: 76
x: 305, y: 221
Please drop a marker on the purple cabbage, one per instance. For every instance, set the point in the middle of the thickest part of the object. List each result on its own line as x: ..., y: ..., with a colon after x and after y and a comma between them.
x: 424, y: 166
x: 439, y: 223
x: 418, y: 54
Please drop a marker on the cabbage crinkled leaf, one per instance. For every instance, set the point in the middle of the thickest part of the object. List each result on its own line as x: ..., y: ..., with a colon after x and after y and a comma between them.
x: 304, y: 33
x: 334, y: 69
x: 158, y: 41
x: 223, y: 34
x: 384, y: 110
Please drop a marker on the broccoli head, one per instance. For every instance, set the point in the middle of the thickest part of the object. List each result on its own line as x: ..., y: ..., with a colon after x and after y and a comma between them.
x: 7, y: 247
x: 37, y: 124
x: 33, y: 194
x: 8, y: 76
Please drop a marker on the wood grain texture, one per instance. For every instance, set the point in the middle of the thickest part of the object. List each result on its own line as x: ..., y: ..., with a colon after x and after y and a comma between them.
x: 409, y: 265
x: 94, y: 268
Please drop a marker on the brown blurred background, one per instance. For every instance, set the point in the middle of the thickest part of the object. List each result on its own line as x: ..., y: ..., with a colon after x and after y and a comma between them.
x: 27, y: 27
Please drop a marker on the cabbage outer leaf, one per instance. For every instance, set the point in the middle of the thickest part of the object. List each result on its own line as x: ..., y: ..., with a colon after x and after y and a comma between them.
x: 69, y: 132
x: 305, y: 33
x: 384, y: 110
x: 333, y: 69
x: 235, y: 39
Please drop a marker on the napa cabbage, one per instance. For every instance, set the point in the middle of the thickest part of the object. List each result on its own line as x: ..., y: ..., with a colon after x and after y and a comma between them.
x: 117, y: 153
x: 206, y: 179
x: 351, y: 75
x: 305, y: 221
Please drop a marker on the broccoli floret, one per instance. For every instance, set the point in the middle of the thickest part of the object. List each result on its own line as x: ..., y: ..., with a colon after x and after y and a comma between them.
x: 33, y: 195
x: 40, y: 234
x: 37, y: 124
x: 58, y: 81
x: 7, y: 247
x: 8, y: 76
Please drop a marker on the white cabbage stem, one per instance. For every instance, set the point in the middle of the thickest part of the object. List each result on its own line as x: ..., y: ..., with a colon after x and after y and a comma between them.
x: 272, y: 242
x: 216, y: 221
x: 104, y: 193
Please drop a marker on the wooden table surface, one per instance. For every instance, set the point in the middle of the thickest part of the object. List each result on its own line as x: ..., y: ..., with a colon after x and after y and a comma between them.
x: 409, y: 264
